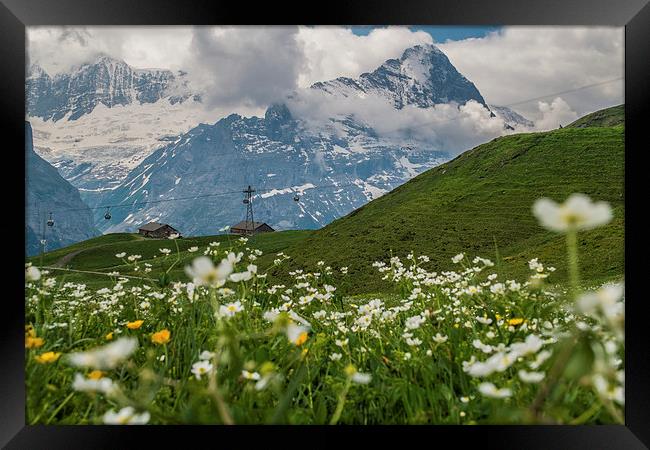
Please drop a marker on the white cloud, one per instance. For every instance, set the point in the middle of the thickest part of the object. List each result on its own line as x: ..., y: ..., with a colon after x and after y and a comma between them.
x: 59, y: 49
x: 253, y: 66
x: 517, y: 63
x: 244, y: 68
x: 333, y: 52
x: 554, y: 114
x: 446, y: 127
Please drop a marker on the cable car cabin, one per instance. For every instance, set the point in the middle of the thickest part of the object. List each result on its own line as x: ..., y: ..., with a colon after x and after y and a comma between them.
x: 157, y: 230
x: 247, y: 228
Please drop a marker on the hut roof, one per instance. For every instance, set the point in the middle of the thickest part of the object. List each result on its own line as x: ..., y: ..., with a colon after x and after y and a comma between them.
x: 243, y: 225
x: 152, y: 226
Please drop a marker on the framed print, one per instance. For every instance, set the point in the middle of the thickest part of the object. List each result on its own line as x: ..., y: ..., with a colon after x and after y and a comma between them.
x: 376, y: 218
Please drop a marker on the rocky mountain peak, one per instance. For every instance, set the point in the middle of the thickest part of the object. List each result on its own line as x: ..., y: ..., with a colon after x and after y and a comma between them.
x: 422, y: 76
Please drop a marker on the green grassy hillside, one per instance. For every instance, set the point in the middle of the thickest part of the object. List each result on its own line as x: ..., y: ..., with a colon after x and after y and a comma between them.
x: 480, y: 203
x: 98, y: 254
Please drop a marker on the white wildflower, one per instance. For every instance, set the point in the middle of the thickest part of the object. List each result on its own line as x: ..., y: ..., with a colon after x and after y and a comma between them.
x: 203, y: 272
x: 206, y: 355
x: 490, y: 390
x: 577, y: 212
x: 107, y: 356
x: 440, y: 339
x: 201, y: 368
x: 250, y: 375
x: 530, y: 377
x: 83, y: 384
x: 230, y: 309
x: 126, y: 416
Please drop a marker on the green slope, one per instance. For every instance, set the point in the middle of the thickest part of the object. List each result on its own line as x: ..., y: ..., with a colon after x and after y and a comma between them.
x: 480, y: 202
x: 608, y: 117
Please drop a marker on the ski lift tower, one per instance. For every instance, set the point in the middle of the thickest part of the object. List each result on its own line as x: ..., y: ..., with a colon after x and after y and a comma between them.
x: 248, y: 201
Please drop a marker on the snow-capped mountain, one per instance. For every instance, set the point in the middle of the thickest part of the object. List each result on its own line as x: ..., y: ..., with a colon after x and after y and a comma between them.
x: 96, y: 123
x: 47, y: 191
x: 422, y: 76
x: 108, y: 81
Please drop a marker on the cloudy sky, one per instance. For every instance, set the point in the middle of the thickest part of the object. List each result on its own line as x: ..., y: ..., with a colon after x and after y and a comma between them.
x: 245, y: 68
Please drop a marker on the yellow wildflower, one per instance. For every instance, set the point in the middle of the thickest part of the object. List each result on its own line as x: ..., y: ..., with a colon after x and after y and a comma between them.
x: 161, y: 337
x: 95, y: 374
x: 47, y: 357
x: 33, y: 342
x: 30, y: 331
x: 134, y: 325
x: 515, y: 321
x: 109, y: 336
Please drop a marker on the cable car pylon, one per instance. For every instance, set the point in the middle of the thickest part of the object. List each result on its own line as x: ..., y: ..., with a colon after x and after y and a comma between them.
x: 248, y: 201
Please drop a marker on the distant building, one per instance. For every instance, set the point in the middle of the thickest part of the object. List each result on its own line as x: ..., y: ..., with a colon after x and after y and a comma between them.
x: 246, y: 228
x: 157, y: 230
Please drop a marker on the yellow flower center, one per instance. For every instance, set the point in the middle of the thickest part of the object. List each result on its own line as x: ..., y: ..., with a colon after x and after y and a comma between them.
x: 571, y: 218
x: 301, y: 339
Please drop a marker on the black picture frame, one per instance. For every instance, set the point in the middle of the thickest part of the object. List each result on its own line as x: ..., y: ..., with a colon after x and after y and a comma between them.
x: 15, y: 15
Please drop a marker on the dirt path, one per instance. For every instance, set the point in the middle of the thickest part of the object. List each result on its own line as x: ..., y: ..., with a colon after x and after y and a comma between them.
x: 66, y: 259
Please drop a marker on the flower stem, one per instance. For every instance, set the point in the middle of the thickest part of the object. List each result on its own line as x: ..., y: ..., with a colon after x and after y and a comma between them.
x: 341, y: 403
x: 553, y: 378
x: 572, y: 253
x: 215, y: 393
x: 582, y: 418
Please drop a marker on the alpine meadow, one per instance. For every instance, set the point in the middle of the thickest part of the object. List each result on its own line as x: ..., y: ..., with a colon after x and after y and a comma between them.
x: 394, y: 245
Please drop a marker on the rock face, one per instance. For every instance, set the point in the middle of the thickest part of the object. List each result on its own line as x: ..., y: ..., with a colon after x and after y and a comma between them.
x: 108, y: 81
x: 422, y: 76
x: 47, y: 191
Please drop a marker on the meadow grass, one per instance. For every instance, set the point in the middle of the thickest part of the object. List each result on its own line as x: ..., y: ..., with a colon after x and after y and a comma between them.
x: 463, y: 346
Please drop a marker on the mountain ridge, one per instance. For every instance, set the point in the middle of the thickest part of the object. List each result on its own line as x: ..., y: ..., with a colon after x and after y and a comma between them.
x: 106, y: 80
